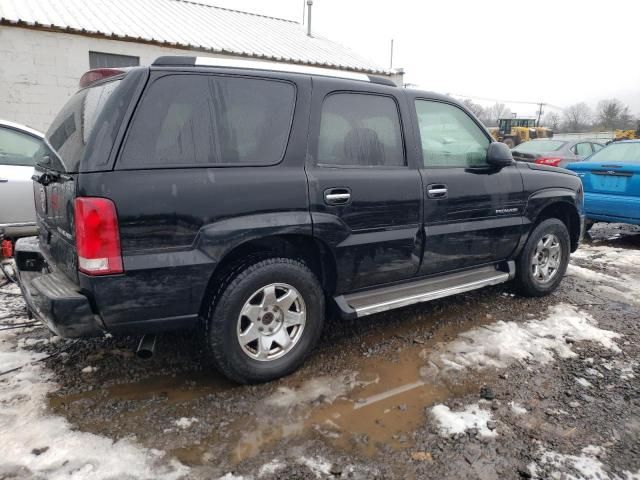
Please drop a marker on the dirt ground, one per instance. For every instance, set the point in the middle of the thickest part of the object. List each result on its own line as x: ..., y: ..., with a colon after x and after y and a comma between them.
x: 484, y: 385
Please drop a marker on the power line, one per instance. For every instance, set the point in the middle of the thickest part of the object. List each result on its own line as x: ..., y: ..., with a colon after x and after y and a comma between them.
x: 489, y: 99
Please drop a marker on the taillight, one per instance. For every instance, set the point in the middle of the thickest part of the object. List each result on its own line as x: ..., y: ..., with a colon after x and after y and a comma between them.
x: 552, y: 161
x: 6, y: 249
x: 97, y: 236
x: 98, y: 74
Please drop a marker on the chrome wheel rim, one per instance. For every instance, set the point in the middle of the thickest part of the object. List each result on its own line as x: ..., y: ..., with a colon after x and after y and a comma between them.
x: 271, y: 322
x: 546, y: 259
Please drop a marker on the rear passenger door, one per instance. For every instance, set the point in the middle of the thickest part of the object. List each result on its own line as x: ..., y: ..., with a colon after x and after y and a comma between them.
x: 365, y: 199
x: 472, y: 211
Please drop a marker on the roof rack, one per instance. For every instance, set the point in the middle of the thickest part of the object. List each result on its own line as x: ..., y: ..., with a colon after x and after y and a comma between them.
x: 183, y: 61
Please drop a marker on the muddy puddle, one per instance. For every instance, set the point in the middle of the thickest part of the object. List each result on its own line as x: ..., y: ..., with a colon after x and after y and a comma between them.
x: 370, y: 408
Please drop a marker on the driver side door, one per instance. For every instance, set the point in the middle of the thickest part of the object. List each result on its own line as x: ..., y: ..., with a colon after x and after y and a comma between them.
x: 472, y: 211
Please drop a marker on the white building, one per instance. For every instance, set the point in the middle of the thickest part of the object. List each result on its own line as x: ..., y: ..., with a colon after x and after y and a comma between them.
x: 46, y: 45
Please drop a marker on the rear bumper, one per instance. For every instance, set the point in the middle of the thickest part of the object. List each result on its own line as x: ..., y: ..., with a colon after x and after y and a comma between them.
x: 51, y: 296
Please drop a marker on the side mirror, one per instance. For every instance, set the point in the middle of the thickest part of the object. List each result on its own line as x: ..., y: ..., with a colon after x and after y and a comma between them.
x: 499, y: 155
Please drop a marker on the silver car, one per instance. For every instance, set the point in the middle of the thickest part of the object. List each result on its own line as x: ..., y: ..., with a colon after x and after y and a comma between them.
x: 18, y: 146
x: 556, y: 153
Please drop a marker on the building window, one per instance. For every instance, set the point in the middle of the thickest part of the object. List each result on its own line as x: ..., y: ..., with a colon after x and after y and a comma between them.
x: 107, y: 60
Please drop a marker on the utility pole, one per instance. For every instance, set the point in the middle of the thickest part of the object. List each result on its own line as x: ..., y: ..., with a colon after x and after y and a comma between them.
x: 391, y: 56
x: 540, y: 112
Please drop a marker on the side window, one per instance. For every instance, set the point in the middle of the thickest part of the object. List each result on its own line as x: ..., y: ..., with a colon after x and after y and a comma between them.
x: 17, y: 148
x: 195, y: 120
x: 583, y: 149
x: 360, y: 130
x: 597, y: 147
x: 449, y: 137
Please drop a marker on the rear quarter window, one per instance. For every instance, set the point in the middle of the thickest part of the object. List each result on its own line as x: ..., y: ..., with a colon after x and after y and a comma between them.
x: 198, y: 120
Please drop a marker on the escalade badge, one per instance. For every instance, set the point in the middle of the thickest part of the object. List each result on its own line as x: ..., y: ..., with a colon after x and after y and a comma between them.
x: 501, y: 211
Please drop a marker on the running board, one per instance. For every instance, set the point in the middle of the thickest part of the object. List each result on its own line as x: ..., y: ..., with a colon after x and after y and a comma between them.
x: 378, y: 300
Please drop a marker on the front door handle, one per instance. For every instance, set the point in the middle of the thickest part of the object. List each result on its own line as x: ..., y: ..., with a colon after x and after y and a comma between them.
x: 337, y: 196
x: 437, y: 190
x: 4, y: 180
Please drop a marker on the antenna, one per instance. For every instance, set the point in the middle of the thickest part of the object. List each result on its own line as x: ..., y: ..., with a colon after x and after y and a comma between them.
x: 309, y: 5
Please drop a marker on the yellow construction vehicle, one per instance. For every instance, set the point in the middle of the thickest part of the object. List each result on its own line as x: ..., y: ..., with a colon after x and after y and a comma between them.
x: 514, y: 131
x: 625, y: 135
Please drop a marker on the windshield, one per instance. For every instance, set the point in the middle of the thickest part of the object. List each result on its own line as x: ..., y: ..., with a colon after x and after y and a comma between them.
x: 539, y: 146
x: 72, y: 128
x: 618, y: 153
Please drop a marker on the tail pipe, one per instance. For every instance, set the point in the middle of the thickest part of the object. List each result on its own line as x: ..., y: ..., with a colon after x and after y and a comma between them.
x: 146, y: 347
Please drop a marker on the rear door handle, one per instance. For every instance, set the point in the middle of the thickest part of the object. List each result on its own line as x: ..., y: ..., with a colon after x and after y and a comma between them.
x: 4, y: 180
x: 437, y: 190
x: 337, y: 196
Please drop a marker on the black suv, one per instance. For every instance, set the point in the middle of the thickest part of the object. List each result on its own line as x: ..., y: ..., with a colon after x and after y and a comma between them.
x: 247, y: 199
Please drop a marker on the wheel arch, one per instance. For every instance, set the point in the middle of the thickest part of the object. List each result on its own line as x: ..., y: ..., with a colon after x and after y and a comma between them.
x: 560, y: 204
x: 301, y: 246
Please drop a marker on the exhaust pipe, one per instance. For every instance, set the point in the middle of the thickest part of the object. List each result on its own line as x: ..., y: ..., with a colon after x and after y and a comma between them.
x: 146, y: 347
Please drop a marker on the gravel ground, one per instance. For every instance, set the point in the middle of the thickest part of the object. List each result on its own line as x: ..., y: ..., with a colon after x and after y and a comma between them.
x: 481, y: 385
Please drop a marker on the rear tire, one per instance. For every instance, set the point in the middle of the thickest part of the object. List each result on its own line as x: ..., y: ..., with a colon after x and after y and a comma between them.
x: 544, y: 259
x: 265, y: 321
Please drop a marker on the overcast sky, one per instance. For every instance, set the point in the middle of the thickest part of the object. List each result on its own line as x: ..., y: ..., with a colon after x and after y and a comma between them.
x: 559, y: 52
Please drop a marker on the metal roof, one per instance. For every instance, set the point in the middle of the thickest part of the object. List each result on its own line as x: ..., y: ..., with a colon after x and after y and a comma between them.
x: 186, y: 24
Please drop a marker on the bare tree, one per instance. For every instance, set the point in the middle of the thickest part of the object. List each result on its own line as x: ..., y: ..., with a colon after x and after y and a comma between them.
x: 496, y: 112
x: 609, y: 112
x: 552, y: 121
x: 576, y: 117
x: 477, y: 109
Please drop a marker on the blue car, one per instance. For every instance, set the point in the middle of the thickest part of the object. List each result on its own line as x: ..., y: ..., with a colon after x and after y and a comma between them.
x: 611, y: 179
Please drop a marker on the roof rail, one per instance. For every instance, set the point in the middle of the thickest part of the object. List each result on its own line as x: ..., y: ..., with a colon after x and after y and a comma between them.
x: 181, y: 61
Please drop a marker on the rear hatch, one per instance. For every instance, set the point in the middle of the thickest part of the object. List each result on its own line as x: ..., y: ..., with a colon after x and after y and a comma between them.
x: 612, y: 179
x: 80, y: 139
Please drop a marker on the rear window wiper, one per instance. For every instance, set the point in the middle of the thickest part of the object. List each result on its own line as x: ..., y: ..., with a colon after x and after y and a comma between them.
x: 45, y: 178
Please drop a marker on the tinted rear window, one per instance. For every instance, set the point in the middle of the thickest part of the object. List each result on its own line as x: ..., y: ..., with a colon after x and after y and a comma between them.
x: 195, y: 120
x: 618, y: 153
x: 540, y: 146
x: 72, y: 129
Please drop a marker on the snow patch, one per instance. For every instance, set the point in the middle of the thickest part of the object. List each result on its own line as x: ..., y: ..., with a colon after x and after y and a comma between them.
x: 27, y: 428
x: 185, y: 422
x: 583, y: 382
x: 231, y: 476
x: 319, y: 466
x: 588, y: 274
x: 502, y: 343
x: 450, y: 422
x: 270, y: 468
x: 586, y: 466
x: 517, y: 408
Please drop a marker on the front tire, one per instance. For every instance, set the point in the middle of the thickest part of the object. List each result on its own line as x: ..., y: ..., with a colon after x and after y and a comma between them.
x: 544, y: 259
x: 266, y: 321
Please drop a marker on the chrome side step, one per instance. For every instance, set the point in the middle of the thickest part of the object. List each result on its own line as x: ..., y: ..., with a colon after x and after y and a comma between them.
x: 378, y: 300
